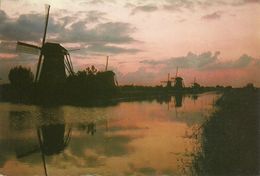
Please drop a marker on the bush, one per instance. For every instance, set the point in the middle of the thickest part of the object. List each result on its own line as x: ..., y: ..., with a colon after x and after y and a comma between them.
x: 20, y: 77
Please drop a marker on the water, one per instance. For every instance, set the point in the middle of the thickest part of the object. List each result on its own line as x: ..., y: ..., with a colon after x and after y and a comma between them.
x: 130, y: 138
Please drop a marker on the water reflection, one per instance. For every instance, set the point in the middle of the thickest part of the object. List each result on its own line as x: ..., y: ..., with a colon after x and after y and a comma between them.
x: 178, y: 100
x: 52, y: 137
x: 90, y: 128
x: 140, y: 138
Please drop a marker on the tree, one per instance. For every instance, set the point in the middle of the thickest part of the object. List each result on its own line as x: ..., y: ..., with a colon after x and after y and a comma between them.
x: 20, y: 76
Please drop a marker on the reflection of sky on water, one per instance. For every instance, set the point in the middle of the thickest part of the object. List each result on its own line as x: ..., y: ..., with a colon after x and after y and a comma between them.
x: 144, y: 138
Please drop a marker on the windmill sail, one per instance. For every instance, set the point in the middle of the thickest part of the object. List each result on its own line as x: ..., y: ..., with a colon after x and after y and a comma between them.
x: 27, y: 48
x: 47, y: 9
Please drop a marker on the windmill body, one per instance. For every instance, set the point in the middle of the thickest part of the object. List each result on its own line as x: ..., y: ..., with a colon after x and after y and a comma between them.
x: 168, y: 82
x: 178, y: 81
x: 53, y: 67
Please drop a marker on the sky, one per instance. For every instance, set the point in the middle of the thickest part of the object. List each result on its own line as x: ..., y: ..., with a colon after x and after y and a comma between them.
x: 217, y: 42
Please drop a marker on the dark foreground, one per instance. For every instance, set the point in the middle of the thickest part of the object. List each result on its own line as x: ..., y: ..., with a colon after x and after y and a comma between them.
x: 230, y: 138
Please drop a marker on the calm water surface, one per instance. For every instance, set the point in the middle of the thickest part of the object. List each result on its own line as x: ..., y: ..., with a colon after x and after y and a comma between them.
x: 130, y: 138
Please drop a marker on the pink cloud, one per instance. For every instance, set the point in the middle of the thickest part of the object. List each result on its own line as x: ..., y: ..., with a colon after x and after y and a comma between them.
x: 7, y: 56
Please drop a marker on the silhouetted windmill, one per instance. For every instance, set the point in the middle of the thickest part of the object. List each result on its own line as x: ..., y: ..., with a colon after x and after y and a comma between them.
x: 178, y: 81
x: 107, y: 63
x: 54, y: 60
x: 110, y: 78
x: 195, y: 85
x: 168, y: 82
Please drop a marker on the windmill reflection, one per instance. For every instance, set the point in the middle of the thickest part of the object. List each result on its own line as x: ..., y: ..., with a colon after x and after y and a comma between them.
x: 53, y: 136
x: 178, y: 99
x: 53, y: 139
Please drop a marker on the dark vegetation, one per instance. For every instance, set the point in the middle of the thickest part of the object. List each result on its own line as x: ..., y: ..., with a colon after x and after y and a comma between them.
x: 86, y: 87
x: 90, y: 84
x: 21, y: 84
x: 82, y: 87
x: 230, y: 138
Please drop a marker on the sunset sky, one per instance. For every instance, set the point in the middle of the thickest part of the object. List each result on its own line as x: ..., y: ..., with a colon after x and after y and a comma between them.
x: 216, y: 41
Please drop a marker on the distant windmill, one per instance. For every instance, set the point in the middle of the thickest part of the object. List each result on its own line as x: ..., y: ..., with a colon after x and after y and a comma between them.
x: 110, y: 75
x: 107, y: 63
x: 178, y: 81
x: 195, y: 85
x: 54, y: 60
x: 168, y: 82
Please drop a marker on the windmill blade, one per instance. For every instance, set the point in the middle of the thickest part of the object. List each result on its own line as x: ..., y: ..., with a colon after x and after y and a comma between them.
x: 68, y: 64
x: 71, y: 66
x: 176, y: 72
x: 27, y: 48
x: 20, y: 154
x: 107, y: 63
x: 42, y: 151
x: 47, y: 8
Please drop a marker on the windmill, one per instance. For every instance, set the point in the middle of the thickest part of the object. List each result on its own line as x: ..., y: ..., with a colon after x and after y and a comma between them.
x: 54, y: 60
x: 178, y: 81
x: 109, y: 76
x: 195, y: 85
x: 168, y: 82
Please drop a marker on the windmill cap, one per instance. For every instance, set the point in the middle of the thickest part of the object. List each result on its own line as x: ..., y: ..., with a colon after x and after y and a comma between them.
x: 179, y: 78
x: 53, y: 48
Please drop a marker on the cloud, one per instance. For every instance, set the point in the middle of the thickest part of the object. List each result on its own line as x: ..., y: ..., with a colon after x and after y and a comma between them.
x: 95, y: 16
x: 3, y: 16
x: 110, y: 32
x: 108, y: 49
x: 140, y: 77
x: 191, y: 60
x: 129, y: 5
x: 212, y: 16
x: 97, y: 2
x: 245, y: 2
x: 28, y: 27
x: 241, y: 62
x: 204, y: 61
x: 87, y: 30
x: 179, y: 5
x: 144, y: 8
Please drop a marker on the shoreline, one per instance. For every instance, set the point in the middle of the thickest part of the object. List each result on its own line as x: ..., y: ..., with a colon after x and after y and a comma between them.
x: 230, y: 137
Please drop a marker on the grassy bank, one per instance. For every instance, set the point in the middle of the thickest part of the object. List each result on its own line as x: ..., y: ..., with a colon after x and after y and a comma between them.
x: 230, y: 138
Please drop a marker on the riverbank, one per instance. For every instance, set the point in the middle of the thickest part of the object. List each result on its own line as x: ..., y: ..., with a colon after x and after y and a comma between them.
x: 94, y: 97
x: 230, y: 138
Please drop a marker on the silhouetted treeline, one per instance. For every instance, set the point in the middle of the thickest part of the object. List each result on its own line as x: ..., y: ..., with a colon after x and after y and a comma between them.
x: 230, y: 138
x: 20, y: 88
x: 90, y: 84
x: 85, y: 87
